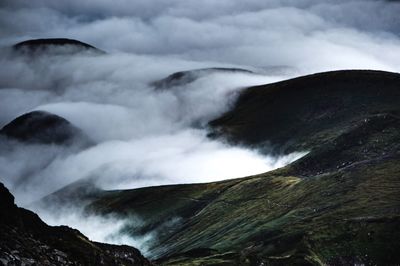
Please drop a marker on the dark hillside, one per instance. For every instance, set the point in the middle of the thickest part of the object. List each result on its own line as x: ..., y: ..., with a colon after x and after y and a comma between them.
x: 185, y: 77
x: 53, y: 45
x: 43, y: 127
x: 26, y: 240
x: 305, y: 112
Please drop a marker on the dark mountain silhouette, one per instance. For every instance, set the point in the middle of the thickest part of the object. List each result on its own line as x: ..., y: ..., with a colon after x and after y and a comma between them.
x: 54, y: 46
x: 45, y: 128
x: 26, y: 240
x: 185, y: 77
x: 338, y: 205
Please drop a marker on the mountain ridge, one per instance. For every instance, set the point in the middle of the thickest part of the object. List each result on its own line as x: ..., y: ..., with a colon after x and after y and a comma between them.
x: 337, y: 205
x: 53, y: 46
x: 43, y: 127
x: 324, y: 100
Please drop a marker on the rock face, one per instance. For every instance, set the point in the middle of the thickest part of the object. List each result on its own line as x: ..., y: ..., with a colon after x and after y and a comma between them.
x: 53, y: 46
x: 43, y: 127
x: 26, y: 240
x: 338, y: 205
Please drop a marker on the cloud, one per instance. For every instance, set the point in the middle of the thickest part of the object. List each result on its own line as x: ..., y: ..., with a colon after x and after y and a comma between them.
x: 141, y: 133
x: 301, y: 34
x: 107, y: 228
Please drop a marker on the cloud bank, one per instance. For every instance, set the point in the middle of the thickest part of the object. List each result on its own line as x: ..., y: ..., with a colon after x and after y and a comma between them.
x: 307, y: 34
x: 143, y: 136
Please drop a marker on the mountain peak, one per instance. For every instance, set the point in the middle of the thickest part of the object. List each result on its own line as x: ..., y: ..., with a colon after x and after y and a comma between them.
x: 54, y: 46
x: 41, y: 127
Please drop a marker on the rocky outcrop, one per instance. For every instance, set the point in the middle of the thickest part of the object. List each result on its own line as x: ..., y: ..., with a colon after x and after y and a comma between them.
x: 26, y: 240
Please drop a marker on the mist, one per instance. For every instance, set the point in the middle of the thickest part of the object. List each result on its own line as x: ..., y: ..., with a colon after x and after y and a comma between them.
x: 144, y: 136
x: 106, y: 228
x: 309, y: 35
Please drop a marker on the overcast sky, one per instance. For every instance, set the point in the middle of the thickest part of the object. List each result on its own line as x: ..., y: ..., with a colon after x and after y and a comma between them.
x: 311, y: 35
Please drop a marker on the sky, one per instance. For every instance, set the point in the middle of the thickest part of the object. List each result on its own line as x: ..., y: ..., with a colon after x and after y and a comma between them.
x: 309, y: 35
x: 143, y: 136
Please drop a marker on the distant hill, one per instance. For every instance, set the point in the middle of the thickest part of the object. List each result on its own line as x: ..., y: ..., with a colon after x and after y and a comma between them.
x: 54, y: 46
x: 26, y: 240
x: 338, y: 205
x: 185, y: 77
x: 43, y: 127
x: 306, y: 112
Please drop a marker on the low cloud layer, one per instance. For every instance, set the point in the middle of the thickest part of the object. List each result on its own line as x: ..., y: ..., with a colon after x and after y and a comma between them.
x: 307, y: 34
x: 144, y: 136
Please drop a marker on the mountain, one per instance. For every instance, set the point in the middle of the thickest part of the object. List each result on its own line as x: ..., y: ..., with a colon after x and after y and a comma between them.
x: 306, y: 112
x: 26, y: 240
x: 182, y: 78
x: 338, y: 205
x: 45, y: 128
x: 54, y: 46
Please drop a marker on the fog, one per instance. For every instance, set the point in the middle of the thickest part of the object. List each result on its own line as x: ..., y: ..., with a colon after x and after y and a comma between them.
x: 107, y: 228
x: 144, y: 136
x: 307, y: 34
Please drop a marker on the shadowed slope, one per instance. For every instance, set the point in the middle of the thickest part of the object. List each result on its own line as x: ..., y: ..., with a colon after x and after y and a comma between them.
x: 344, y: 214
x: 305, y: 112
x: 26, y: 240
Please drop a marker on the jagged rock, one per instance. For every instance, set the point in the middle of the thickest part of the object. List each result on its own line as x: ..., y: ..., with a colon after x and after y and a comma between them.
x: 26, y: 240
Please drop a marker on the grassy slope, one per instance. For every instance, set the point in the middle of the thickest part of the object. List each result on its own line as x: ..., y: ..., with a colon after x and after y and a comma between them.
x: 305, y: 112
x: 340, y: 204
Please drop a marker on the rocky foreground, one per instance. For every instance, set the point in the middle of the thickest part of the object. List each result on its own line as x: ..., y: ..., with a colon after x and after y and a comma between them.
x: 26, y: 240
